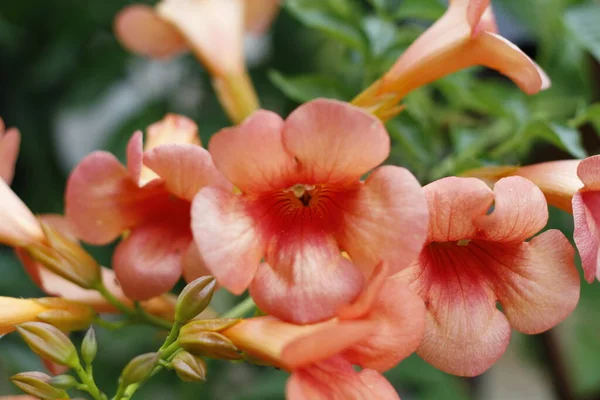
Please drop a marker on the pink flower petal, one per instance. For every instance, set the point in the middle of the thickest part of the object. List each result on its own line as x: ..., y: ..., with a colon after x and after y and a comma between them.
x: 172, y: 129
x: 135, y: 158
x: 259, y: 14
x: 335, y: 142
x: 336, y: 379
x: 520, y: 211
x: 308, y: 281
x: 9, y: 151
x: 226, y: 237
x: 588, y: 171
x: 586, y: 214
x: 193, y: 264
x: 185, y: 168
x: 146, y: 264
x: 140, y: 30
x: 385, y: 220
x: 102, y: 200
x: 19, y: 227
x: 252, y: 156
x: 453, y: 203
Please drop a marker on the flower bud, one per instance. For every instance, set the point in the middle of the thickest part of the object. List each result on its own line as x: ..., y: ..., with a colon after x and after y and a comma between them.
x: 49, y: 343
x: 210, y: 344
x: 194, y: 298
x: 64, y: 314
x: 64, y: 382
x: 36, y: 384
x: 89, y: 347
x: 139, y: 368
x: 66, y: 258
x: 189, y: 368
x: 210, y: 325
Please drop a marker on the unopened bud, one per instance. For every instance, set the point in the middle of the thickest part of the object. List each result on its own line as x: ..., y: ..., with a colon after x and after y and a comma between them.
x: 66, y: 258
x: 210, y: 344
x: 64, y: 314
x: 189, y: 368
x: 194, y: 298
x: 49, y: 343
x: 210, y: 325
x: 36, y: 384
x: 89, y: 346
x: 139, y: 368
x: 64, y: 382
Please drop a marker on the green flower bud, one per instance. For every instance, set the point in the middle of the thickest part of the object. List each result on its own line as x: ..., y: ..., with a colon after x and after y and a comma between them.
x: 36, y: 384
x: 210, y: 344
x: 64, y: 382
x: 89, y: 346
x: 49, y: 343
x: 194, y: 298
x: 210, y: 325
x: 139, y: 368
x: 189, y: 368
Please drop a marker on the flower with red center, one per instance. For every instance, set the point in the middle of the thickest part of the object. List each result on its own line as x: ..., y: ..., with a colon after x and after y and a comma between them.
x: 477, y: 257
x: 302, y: 204
x: 466, y: 35
x: 146, y: 202
x: 380, y: 329
x: 9, y: 150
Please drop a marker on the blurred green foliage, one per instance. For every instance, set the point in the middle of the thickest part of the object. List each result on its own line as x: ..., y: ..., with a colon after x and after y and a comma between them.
x: 59, y: 58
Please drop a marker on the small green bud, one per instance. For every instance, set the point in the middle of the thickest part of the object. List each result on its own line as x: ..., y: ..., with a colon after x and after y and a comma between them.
x: 49, y: 343
x: 89, y: 346
x: 139, y: 368
x: 194, y: 298
x: 64, y: 382
x: 189, y: 368
x: 210, y: 344
x: 36, y: 384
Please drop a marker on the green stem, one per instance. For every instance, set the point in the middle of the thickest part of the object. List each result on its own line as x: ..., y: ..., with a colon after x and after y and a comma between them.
x: 88, y: 382
x: 241, y: 309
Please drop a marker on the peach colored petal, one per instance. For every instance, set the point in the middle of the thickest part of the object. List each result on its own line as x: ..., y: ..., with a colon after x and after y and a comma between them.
x: 226, y: 237
x: 334, y: 141
x: 335, y: 379
x: 542, y: 289
x: 185, y: 168
x: 586, y: 214
x: 252, y: 156
x: 19, y: 227
x: 9, y: 151
x: 399, y: 316
x: 386, y: 220
x: 309, y: 287
x: 520, y: 211
x: 214, y: 29
x: 148, y: 262
x: 259, y: 14
x: 102, y: 200
x: 588, y: 171
x: 192, y: 264
x: 53, y: 368
x: 557, y: 179
x: 487, y: 22
x: 142, y: 31
x: 135, y: 158
x: 365, y: 302
x: 453, y: 203
x: 16, y: 311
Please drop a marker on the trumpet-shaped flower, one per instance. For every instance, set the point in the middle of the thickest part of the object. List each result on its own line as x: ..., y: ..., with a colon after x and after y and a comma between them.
x: 9, y: 150
x: 477, y: 257
x: 466, y: 35
x: 146, y: 202
x: 302, y: 204
x: 381, y: 328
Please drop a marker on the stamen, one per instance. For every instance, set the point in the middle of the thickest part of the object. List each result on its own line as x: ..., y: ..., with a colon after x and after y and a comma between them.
x: 463, y: 242
x: 301, y: 191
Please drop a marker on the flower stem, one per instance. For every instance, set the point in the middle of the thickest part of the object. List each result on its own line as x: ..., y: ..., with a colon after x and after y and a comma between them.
x: 241, y: 309
x: 88, y: 383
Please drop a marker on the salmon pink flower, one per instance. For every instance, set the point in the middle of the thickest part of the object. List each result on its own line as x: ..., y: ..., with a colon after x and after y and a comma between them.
x: 9, y: 150
x: 147, y: 201
x: 380, y: 329
x: 466, y: 35
x: 19, y: 227
x: 302, y: 204
x: 476, y: 257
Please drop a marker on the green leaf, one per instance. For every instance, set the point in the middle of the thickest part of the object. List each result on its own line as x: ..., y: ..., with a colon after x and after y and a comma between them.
x: 420, y: 9
x: 381, y: 34
x: 562, y: 136
x: 582, y: 22
x: 336, y: 18
x: 307, y: 87
x: 590, y: 115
